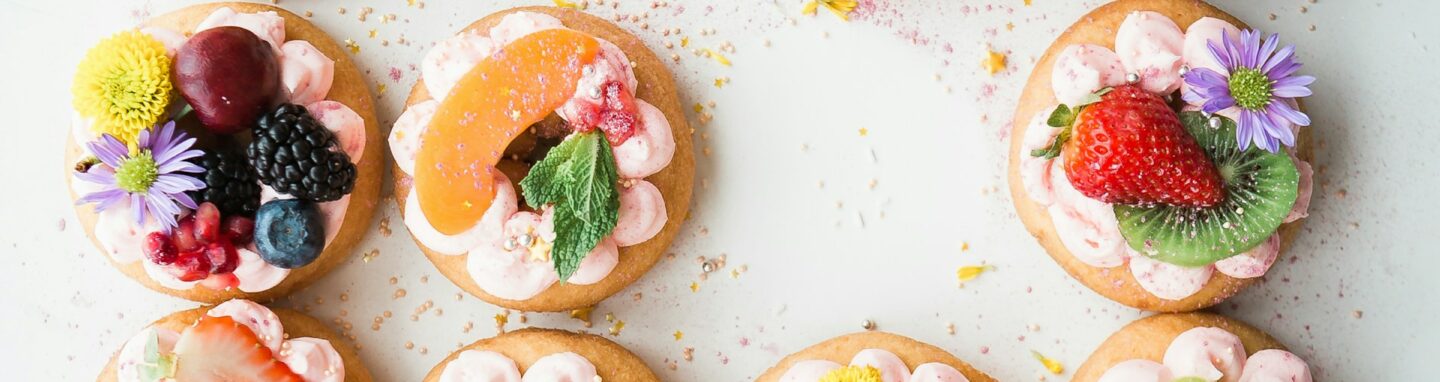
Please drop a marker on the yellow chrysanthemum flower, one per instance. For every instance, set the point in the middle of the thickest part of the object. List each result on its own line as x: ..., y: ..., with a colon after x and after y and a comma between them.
x: 853, y: 374
x: 123, y: 84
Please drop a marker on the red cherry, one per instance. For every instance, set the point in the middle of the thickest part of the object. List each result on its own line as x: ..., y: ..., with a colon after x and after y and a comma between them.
x: 240, y: 229
x: 207, y: 223
x: 184, y: 235
x: 222, y: 257
x: 159, y: 249
x: 191, y: 266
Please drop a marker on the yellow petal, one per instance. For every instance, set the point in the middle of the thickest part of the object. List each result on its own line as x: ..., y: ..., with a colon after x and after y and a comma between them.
x: 717, y: 56
x: 970, y: 272
x: 566, y: 4
x: 809, y: 9
x: 1052, y: 365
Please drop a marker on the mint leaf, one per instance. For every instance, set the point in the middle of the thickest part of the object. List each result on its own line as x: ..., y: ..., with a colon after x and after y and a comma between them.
x: 155, y: 366
x: 578, y: 177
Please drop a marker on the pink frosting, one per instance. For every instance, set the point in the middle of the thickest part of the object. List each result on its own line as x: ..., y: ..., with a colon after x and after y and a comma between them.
x: 481, y: 366
x: 610, y: 65
x: 1082, y: 69
x: 268, y: 25
x: 1149, y: 44
x: 561, y: 367
x: 650, y: 149
x: 642, y: 214
x: 1168, y: 281
x: 451, y: 59
x: 891, y: 368
x: 348, y: 127
x: 315, y: 360
x: 1198, y: 35
x: 1035, y: 171
x: 1210, y: 353
x: 166, y: 36
x: 1252, y: 263
x: 597, y: 264
x: 255, y: 274
x: 487, y: 230
x: 1214, y: 355
x: 1137, y: 370
x: 1301, y: 209
x: 1273, y: 365
x: 405, y: 134
x: 514, y: 274
x: 519, y: 24
x: 1086, y: 226
x: 306, y: 72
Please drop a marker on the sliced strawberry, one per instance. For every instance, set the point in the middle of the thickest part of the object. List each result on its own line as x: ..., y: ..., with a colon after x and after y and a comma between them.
x: 615, y: 114
x: 218, y: 349
x: 1130, y: 148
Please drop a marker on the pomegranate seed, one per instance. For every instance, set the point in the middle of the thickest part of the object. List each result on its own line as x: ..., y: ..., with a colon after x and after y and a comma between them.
x: 240, y: 229
x: 618, y: 126
x: 184, y: 235
x: 222, y: 257
x: 191, y: 266
x: 159, y: 249
x: 207, y: 223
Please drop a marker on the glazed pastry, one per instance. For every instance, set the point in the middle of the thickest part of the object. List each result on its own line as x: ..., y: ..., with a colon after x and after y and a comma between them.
x: 872, y: 357
x: 224, y: 150
x: 1159, y: 153
x: 567, y: 189
x: 542, y: 355
x: 238, y: 340
x: 1198, y: 346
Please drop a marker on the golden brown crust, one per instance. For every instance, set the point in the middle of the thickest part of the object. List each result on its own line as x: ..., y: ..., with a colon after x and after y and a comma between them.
x: 349, y: 88
x: 612, y: 362
x: 1098, y: 27
x: 675, y: 181
x: 841, y: 349
x: 296, y: 325
x: 1147, y: 338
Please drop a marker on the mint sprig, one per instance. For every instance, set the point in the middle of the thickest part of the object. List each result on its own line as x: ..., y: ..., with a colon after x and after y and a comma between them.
x: 155, y: 366
x: 577, y: 177
x: 1063, y: 117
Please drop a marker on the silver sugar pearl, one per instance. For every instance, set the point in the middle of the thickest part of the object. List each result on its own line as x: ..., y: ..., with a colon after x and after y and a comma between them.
x: 1213, y: 122
x: 707, y: 267
x: 526, y: 239
x: 1131, y: 78
x: 595, y: 92
x: 1184, y: 69
x: 868, y: 325
x: 510, y: 244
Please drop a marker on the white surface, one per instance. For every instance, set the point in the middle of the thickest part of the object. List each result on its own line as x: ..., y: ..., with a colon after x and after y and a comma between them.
x: 787, y: 122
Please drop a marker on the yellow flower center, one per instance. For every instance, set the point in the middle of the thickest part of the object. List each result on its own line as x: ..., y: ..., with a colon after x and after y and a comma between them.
x: 853, y: 374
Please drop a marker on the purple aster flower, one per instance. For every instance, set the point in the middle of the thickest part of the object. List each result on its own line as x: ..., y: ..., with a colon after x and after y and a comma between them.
x: 1259, y: 82
x: 151, y: 177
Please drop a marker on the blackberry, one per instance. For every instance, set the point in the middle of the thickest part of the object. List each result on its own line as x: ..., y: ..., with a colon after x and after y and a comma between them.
x: 296, y: 155
x: 230, y: 183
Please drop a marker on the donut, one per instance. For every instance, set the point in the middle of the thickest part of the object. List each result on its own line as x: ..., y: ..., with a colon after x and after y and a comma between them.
x: 1165, y: 347
x: 346, y: 109
x: 894, y: 358
x: 1084, y: 57
x: 290, y: 334
x: 542, y: 355
x: 492, y: 249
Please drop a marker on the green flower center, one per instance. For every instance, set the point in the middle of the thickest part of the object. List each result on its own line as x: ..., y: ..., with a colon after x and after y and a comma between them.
x: 136, y: 174
x: 1250, y: 88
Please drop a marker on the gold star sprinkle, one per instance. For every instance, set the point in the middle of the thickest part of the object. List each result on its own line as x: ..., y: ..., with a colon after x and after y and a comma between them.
x: 694, y: 287
x: 679, y: 335
x: 1052, y: 365
x: 615, y: 329
x: 410, y: 3
x: 684, y: 41
x: 566, y: 4
x: 1009, y: 26
x: 699, y: 107
x: 380, y: 88
x: 374, y: 32
x: 721, y: 81
x: 354, y: 47
x: 970, y: 272
x: 841, y: 8
x: 864, y: 131
x: 994, y: 62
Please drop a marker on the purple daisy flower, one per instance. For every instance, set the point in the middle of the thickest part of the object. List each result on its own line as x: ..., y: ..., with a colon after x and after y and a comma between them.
x: 151, y: 178
x: 1258, y: 83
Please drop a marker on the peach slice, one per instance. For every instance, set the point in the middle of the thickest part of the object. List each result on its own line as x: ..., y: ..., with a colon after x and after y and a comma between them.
x: 487, y: 109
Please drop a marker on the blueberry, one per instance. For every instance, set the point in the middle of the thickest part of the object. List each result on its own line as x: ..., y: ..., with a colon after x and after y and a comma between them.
x: 289, y: 233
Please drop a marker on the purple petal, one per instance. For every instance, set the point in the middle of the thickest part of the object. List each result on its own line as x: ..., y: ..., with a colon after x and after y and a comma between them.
x: 1280, y: 129
x: 98, y: 177
x: 173, y: 183
x: 1192, y: 97
x: 1292, y: 87
x: 137, y: 204
x: 1250, y: 48
x: 1218, y: 50
x: 1282, y: 58
x: 1204, y: 77
x: 104, y: 197
x: 1217, y: 104
x: 180, y: 166
x: 163, y: 153
x: 1284, y: 71
x: 143, y: 140
x: 1267, y: 49
x: 109, y: 150
x: 1283, y: 110
x: 161, y: 204
x: 185, y: 200
x: 1244, y: 129
x: 1257, y: 128
x: 181, y: 157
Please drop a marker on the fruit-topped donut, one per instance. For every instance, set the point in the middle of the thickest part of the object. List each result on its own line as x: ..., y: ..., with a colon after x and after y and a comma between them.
x: 872, y: 357
x: 1159, y: 153
x: 220, y: 151
x: 542, y: 162
x: 542, y: 355
x: 1192, y: 347
x: 238, y: 340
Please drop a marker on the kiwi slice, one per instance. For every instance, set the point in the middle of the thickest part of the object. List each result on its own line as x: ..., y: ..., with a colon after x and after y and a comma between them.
x: 1260, y: 189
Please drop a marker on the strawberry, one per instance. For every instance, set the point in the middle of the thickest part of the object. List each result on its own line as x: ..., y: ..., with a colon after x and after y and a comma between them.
x: 1128, y: 147
x: 616, y: 114
x: 220, y: 349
